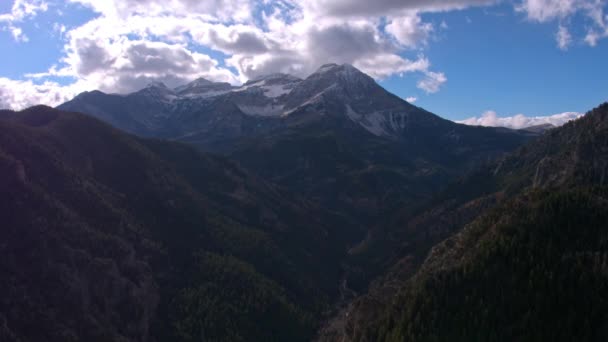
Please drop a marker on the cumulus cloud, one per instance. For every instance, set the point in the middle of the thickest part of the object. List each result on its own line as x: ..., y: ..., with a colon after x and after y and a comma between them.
x: 132, y: 42
x: 545, y: 10
x: 491, y: 118
x: 18, y: 34
x: 21, y: 94
x: 563, y: 38
x: 411, y: 99
x: 215, y: 10
x: 378, y: 7
x: 562, y: 11
x: 113, y: 58
x: 409, y: 30
x: 290, y: 39
x: 432, y: 82
x: 21, y: 10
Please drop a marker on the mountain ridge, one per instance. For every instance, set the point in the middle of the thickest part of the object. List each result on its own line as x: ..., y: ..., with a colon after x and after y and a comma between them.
x: 215, y: 114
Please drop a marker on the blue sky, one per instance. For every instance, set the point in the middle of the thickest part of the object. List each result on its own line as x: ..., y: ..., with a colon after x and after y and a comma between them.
x: 511, y: 65
x: 457, y: 58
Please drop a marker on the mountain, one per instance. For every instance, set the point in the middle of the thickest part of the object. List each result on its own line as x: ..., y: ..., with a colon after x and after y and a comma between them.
x: 209, y: 114
x: 202, y: 112
x: 539, y: 128
x: 333, y: 199
x: 355, y: 148
x: 203, y: 88
x: 110, y: 237
x: 524, y: 257
x: 321, y: 136
x: 337, y: 138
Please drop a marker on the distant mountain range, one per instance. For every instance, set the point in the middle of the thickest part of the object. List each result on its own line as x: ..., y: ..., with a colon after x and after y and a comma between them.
x: 337, y: 137
x: 213, y: 115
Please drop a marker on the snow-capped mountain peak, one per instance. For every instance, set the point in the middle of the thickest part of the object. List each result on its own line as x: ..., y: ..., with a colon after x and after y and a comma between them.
x: 157, y: 91
x: 271, y: 86
x: 203, y: 88
x: 156, y: 84
x: 341, y: 92
x: 199, y: 82
x: 345, y: 82
x: 345, y: 73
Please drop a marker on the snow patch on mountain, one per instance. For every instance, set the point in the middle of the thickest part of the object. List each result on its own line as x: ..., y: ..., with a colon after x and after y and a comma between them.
x: 205, y: 95
x: 310, y: 100
x: 374, y: 123
x: 271, y: 91
x: 272, y: 86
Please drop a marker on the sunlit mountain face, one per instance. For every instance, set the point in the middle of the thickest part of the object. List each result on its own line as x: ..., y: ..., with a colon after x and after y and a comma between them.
x: 290, y: 170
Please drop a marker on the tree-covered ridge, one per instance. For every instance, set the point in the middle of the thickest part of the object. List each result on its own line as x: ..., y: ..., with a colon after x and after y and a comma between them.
x: 232, y: 292
x: 534, y: 269
x: 571, y: 157
x: 108, y: 237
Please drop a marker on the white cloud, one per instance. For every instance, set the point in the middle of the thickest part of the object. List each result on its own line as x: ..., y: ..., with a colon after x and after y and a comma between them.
x: 546, y: 10
x: 432, y: 82
x: 563, y: 38
x: 21, y: 94
x: 563, y: 11
x: 132, y: 42
x: 383, y: 65
x: 215, y: 10
x: 411, y: 99
x: 59, y: 29
x: 380, y: 7
x: 125, y: 65
x: 491, y: 118
x: 126, y: 47
x: 21, y: 10
x: 409, y: 30
x: 18, y: 34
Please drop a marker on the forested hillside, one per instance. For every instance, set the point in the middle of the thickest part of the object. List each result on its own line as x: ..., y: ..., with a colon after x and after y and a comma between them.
x: 110, y: 237
x: 526, y: 261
